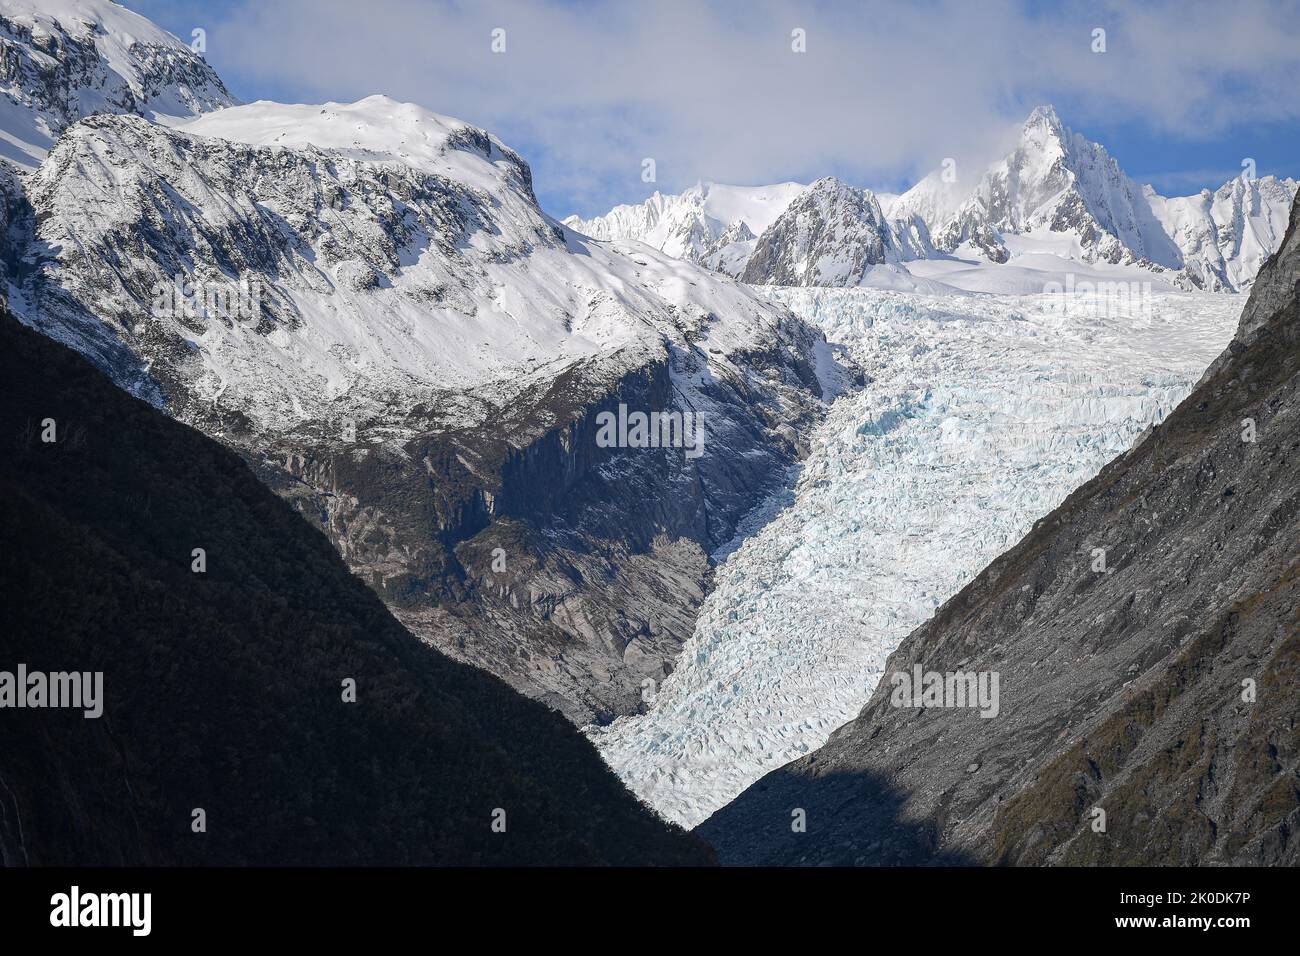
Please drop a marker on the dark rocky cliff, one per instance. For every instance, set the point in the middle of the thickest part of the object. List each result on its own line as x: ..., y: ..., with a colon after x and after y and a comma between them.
x: 571, y: 570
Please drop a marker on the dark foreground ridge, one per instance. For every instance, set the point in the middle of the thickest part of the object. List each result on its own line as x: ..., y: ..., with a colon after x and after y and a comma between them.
x: 223, y: 690
x: 1149, y: 706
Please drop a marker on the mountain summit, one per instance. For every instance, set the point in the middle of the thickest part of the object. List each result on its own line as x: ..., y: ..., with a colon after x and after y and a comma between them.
x: 830, y: 235
x: 1057, y: 182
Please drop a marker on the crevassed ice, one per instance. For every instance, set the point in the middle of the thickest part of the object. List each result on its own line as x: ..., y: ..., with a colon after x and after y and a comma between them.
x: 983, y: 414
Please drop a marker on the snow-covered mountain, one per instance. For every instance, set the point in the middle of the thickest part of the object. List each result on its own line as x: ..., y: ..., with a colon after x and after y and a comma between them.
x: 368, y: 302
x: 380, y: 247
x: 830, y: 235
x: 394, y: 248
x: 710, y: 223
x: 1226, y: 235
x: 1055, y: 204
x: 1053, y: 182
x: 1060, y: 194
x: 61, y: 60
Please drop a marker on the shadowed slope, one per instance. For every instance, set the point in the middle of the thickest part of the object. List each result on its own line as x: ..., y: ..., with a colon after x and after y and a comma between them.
x: 224, y: 689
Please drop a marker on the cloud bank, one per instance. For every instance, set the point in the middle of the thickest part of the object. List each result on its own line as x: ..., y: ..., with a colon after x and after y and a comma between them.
x: 882, y: 94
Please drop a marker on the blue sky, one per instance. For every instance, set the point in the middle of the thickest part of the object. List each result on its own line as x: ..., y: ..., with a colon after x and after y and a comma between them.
x: 1181, y: 94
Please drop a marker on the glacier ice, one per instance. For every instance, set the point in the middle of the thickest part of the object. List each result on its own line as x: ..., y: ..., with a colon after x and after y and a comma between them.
x: 980, y: 415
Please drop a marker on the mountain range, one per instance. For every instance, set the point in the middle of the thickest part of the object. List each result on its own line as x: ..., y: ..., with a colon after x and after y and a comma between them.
x: 1054, y: 194
x: 345, y: 343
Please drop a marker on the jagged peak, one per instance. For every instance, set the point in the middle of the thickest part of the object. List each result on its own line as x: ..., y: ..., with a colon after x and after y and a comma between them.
x: 829, y: 184
x: 1044, y: 117
x: 738, y: 231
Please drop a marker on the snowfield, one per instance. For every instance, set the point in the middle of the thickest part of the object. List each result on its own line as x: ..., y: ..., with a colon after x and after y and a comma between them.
x: 982, y: 414
x: 399, y: 257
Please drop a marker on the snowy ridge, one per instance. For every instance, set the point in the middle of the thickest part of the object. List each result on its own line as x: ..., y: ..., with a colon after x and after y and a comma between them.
x: 398, y: 252
x: 1058, y: 193
x: 1226, y: 235
x: 1054, y: 196
x: 61, y: 60
x: 376, y: 129
x: 983, y: 413
x: 710, y: 222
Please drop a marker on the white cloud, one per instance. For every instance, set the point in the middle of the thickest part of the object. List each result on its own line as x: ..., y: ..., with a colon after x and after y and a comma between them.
x: 714, y: 91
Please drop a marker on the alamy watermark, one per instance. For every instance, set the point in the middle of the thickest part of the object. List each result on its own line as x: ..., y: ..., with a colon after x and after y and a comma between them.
x: 1102, y: 299
x: 183, y: 298
x: 76, y: 908
x: 951, y: 689
x: 673, y: 429
x: 78, y: 690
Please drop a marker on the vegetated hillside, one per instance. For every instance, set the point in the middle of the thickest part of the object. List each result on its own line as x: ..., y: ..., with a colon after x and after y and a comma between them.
x: 1161, y: 690
x: 224, y: 689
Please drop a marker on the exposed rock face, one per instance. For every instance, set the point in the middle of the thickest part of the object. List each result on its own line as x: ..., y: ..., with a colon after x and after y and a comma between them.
x: 15, y: 226
x: 421, y: 369
x: 62, y: 60
x: 971, y: 224
x: 1146, y: 638
x: 831, y: 235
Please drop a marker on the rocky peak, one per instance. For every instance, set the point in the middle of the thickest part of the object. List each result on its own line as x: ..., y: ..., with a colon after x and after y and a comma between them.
x: 62, y: 60
x: 830, y: 235
x: 1043, y: 123
x: 1055, y: 180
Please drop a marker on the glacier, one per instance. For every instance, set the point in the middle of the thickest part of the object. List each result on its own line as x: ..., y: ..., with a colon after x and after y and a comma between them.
x: 981, y: 413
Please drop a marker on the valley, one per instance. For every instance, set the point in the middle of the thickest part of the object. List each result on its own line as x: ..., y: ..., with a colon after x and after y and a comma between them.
x: 636, y: 518
x: 980, y: 414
